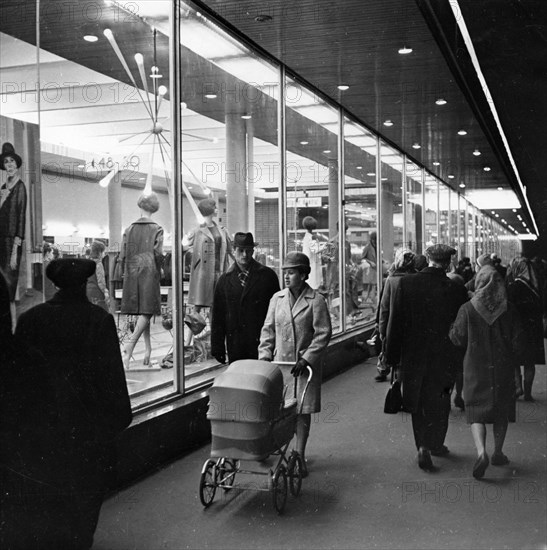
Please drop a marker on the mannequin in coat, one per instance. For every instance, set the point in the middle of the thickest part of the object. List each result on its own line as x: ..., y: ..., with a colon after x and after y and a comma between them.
x: 211, y: 249
x: 141, y: 258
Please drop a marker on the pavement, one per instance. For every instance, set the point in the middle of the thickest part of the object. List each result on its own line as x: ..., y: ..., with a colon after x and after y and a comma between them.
x: 364, y: 490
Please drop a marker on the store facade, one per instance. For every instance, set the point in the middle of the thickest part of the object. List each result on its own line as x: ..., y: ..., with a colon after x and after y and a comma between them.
x: 107, y: 101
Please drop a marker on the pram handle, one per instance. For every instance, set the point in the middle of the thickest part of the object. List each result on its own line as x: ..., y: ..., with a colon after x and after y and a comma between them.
x: 310, y: 376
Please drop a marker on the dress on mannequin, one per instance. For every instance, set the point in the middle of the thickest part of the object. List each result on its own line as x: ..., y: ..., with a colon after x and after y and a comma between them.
x: 312, y: 247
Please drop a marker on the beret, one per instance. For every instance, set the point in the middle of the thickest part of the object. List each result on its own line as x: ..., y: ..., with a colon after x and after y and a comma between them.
x: 67, y: 272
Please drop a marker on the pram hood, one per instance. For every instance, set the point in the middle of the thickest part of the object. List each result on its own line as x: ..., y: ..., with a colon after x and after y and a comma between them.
x: 247, y: 391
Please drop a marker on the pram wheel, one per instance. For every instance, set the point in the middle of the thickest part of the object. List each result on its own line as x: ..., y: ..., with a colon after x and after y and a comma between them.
x: 227, y: 473
x: 279, y: 489
x: 295, y: 473
x: 208, y: 483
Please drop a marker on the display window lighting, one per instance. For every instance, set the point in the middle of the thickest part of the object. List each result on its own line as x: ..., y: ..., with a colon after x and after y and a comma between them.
x: 343, y: 87
x: 388, y: 122
x: 90, y: 38
x: 462, y: 133
x: 477, y: 153
x: 487, y: 169
x: 404, y: 50
x: 462, y: 185
x: 441, y: 101
x: 416, y: 146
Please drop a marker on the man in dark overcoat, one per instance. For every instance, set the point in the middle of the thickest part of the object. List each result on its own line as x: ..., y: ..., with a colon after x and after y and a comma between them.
x: 425, y: 305
x: 240, y: 304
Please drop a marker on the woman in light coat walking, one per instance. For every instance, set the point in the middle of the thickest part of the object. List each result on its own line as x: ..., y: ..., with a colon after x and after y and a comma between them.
x: 297, y: 329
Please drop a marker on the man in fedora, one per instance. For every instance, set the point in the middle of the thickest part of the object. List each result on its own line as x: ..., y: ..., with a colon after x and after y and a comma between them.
x: 425, y: 305
x: 240, y: 303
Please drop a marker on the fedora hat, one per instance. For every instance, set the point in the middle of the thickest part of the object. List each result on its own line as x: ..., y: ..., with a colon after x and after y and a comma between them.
x: 69, y: 272
x: 244, y: 240
x: 9, y: 151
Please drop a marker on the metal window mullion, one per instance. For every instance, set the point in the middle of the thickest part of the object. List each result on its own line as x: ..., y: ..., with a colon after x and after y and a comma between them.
x: 281, y: 140
x: 404, y: 203
x: 341, y: 221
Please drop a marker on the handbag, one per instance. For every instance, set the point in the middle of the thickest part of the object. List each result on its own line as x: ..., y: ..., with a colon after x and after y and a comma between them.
x: 394, y: 398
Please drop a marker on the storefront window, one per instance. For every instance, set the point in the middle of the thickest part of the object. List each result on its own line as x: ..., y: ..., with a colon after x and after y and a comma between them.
x: 414, y: 208
x: 444, y: 214
x: 454, y: 226
x: 431, y: 187
x: 231, y: 170
x: 312, y: 180
x: 391, y: 202
x: 363, y: 265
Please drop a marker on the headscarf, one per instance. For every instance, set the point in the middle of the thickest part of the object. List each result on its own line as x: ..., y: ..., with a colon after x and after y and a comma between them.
x: 521, y: 269
x: 403, y: 262
x: 490, y: 298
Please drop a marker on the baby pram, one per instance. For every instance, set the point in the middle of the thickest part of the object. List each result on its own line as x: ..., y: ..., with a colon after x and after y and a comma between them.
x: 251, y: 420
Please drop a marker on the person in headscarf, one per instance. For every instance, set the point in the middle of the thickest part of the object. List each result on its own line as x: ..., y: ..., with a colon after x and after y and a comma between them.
x: 523, y: 290
x: 402, y: 265
x: 488, y: 327
x: 482, y: 260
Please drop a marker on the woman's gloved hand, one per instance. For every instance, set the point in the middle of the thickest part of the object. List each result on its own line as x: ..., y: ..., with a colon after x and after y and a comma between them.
x: 300, y: 367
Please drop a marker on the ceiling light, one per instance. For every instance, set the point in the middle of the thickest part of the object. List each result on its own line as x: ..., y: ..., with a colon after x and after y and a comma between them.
x: 500, y: 188
x: 441, y: 101
x: 493, y: 212
x: 371, y: 174
x: 436, y: 163
x: 246, y: 117
x: 523, y: 224
x: 462, y: 133
x: 327, y: 151
x: 487, y: 168
x: 462, y: 185
x: 497, y: 215
x: 451, y: 176
x: 388, y: 123
x: 343, y: 87
x: 210, y: 96
x: 476, y: 152
x: 514, y: 209
x: 304, y: 142
x: 416, y: 146
x: 404, y: 50
x: 90, y: 38
x: 359, y: 167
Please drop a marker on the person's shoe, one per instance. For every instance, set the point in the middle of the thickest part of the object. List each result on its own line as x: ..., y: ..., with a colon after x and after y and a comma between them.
x: 499, y: 459
x: 443, y: 451
x: 480, y: 466
x: 424, y: 460
x: 459, y: 402
x: 528, y: 397
x: 380, y: 377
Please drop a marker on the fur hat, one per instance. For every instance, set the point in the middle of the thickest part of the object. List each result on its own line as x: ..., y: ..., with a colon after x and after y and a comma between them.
x: 9, y: 151
x: 69, y: 272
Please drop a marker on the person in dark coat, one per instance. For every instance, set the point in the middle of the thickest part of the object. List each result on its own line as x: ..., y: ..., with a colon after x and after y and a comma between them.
x: 141, y: 257
x: 524, y: 291
x: 241, y: 299
x: 490, y: 331
x: 61, y: 410
x: 425, y: 305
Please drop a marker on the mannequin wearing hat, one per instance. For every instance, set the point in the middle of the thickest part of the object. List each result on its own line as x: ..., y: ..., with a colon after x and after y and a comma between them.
x: 297, y: 330
x: 141, y: 257
x: 312, y: 247
x: 13, y: 210
x: 211, y: 249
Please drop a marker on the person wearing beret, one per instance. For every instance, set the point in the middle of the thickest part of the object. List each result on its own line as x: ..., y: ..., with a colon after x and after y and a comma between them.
x: 240, y: 303
x: 425, y: 305
x: 141, y: 258
x: 297, y: 329
x: 13, y: 209
x: 211, y: 250
x: 63, y: 407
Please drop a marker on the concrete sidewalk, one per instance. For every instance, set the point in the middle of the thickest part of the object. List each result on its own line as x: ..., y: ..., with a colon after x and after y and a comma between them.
x: 364, y: 490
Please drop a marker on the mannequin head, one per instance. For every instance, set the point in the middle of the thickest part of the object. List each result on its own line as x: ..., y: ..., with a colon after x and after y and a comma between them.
x: 309, y: 223
x: 149, y: 203
x: 207, y: 207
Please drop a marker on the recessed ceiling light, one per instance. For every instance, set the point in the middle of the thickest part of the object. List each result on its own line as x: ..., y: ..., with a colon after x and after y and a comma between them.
x: 436, y: 163
x: 514, y: 209
x: 487, y: 168
x: 462, y: 133
x: 451, y: 176
x: 493, y: 212
x: 416, y: 146
x: 246, y: 117
x: 371, y: 174
x: 497, y: 215
x: 500, y: 188
x: 384, y: 179
x: 304, y: 142
x: 523, y: 224
x: 441, y: 101
x: 91, y: 38
x: 359, y: 167
x: 388, y: 123
x: 404, y: 50
x: 210, y: 96
x: 476, y: 152
x: 327, y: 151
x: 343, y: 87
x: 462, y: 185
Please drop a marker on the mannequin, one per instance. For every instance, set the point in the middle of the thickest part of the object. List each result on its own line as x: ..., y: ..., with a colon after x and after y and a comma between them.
x: 13, y: 210
x: 211, y: 251
x: 369, y: 260
x: 312, y: 247
x: 141, y: 257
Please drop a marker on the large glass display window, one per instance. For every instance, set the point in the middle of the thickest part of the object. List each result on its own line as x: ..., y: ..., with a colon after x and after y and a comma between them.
x: 431, y: 220
x: 444, y: 214
x: 363, y: 262
x: 414, y: 205
x: 454, y: 239
x: 313, y: 190
x: 231, y: 176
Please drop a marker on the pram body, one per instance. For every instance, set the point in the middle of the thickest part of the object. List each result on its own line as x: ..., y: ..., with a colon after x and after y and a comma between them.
x: 251, y: 420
